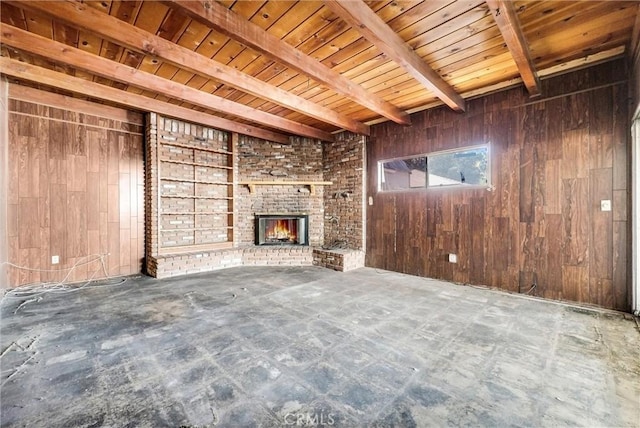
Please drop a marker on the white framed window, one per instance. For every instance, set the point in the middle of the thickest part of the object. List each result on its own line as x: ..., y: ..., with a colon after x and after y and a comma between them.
x: 462, y: 167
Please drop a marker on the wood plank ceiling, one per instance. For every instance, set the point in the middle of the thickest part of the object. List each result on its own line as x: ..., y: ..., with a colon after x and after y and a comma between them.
x: 310, y: 68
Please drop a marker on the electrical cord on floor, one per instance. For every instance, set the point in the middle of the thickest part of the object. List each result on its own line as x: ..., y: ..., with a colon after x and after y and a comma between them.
x: 38, y: 289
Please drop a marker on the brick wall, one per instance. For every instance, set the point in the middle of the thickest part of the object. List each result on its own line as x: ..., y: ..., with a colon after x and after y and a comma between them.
x: 267, y: 161
x: 343, y: 201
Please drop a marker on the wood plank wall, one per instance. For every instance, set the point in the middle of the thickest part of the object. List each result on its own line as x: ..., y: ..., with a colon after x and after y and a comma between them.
x: 76, y: 188
x: 553, y: 161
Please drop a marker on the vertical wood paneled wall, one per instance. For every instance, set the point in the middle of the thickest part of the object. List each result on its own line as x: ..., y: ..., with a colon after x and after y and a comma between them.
x: 76, y: 187
x: 553, y: 161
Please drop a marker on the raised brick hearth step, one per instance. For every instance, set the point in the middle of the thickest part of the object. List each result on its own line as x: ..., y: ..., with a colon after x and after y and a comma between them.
x: 341, y: 259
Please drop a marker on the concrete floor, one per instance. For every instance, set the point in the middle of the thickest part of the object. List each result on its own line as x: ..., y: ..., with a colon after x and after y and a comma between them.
x: 308, y: 346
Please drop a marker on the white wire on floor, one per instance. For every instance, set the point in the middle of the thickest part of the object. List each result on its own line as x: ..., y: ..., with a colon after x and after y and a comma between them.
x: 38, y: 289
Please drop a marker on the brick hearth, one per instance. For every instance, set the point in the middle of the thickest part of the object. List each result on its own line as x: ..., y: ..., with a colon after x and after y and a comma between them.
x: 183, y: 264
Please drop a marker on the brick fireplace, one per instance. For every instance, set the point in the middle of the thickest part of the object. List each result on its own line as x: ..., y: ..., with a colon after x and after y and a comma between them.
x: 280, y: 182
x: 260, y: 160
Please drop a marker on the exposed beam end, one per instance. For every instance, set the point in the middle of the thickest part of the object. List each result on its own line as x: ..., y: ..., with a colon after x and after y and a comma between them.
x: 392, y: 113
x: 455, y: 102
x: 534, y: 90
x: 402, y: 119
x: 361, y: 129
x: 458, y: 108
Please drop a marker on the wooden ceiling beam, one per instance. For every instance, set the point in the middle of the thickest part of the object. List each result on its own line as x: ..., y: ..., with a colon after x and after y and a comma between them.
x: 81, y: 16
x: 506, y: 18
x: 221, y: 19
x: 59, y: 52
x: 33, y: 73
x: 364, y: 20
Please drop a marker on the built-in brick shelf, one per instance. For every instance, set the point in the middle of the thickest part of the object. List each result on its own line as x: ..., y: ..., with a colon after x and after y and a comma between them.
x: 167, y: 266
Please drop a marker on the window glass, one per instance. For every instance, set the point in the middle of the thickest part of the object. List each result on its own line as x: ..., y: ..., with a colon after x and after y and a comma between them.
x: 460, y: 167
x: 400, y: 174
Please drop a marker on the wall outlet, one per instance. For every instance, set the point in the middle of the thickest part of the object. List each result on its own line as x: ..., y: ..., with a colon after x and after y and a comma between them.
x: 55, y: 260
x: 605, y: 205
x: 370, y: 200
x: 453, y: 258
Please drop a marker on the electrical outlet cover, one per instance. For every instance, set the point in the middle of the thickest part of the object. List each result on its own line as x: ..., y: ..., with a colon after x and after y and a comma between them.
x: 55, y: 260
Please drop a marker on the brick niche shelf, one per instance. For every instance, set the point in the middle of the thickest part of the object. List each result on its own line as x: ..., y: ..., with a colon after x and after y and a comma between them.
x: 189, y: 189
x: 195, y: 190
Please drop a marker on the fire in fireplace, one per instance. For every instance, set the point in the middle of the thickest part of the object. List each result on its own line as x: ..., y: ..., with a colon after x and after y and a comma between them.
x: 282, y: 229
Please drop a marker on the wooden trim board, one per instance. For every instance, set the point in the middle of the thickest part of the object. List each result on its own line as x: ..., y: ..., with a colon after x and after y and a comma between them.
x: 50, y: 99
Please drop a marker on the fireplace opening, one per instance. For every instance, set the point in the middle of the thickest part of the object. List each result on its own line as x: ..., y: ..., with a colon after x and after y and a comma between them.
x: 285, y: 229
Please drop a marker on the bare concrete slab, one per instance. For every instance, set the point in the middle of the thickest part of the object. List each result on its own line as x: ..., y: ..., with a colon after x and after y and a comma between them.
x: 306, y: 346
